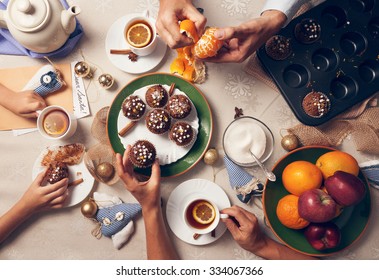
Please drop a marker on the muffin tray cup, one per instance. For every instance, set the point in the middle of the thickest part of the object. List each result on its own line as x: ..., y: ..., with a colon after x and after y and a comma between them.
x: 343, y: 63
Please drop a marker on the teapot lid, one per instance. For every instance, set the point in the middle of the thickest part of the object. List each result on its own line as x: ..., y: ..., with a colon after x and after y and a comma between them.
x: 28, y: 15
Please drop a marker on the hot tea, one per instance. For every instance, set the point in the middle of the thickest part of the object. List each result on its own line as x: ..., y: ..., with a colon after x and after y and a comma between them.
x: 55, y: 123
x: 200, y: 214
x: 139, y: 34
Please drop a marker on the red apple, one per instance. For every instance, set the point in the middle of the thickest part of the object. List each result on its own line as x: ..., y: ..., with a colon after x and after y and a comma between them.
x: 345, y: 188
x: 323, y: 236
x: 316, y: 206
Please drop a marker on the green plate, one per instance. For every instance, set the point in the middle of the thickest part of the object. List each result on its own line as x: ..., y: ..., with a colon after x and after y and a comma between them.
x: 203, y: 112
x: 352, y: 221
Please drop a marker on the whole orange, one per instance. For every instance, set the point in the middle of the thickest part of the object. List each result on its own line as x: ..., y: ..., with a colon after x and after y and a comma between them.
x: 287, y: 212
x: 299, y: 176
x: 333, y: 161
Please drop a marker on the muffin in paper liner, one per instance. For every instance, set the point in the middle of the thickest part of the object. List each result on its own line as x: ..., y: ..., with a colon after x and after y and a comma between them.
x: 142, y: 154
x: 182, y: 134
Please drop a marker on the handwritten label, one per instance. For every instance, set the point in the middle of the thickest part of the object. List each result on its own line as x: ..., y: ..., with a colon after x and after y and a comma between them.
x: 80, y: 100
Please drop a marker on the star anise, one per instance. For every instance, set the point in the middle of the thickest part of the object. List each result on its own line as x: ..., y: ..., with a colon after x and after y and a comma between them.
x: 238, y: 112
x: 132, y: 56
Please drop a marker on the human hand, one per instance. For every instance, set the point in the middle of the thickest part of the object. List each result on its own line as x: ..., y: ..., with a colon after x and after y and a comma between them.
x: 38, y: 197
x: 24, y: 104
x: 147, y: 192
x: 243, y: 40
x: 170, y: 12
x: 248, y: 233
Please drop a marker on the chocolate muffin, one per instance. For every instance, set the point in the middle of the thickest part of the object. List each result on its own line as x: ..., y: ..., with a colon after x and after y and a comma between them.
x: 133, y: 107
x: 156, y: 96
x: 316, y: 104
x: 179, y: 106
x: 307, y: 31
x: 56, y: 172
x: 142, y: 154
x: 158, y: 121
x: 278, y: 47
x: 181, y: 133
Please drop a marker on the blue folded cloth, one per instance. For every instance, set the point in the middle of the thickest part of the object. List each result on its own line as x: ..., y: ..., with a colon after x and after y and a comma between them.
x: 371, y: 170
x: 245, y: 184
x: 9, y: 46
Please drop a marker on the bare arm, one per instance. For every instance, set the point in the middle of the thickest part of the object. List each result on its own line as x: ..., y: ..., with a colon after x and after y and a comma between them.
x: 158, y: 243
x: 24, y: 104
x: 36, y: 198
x: 243, y: 40
x: 251, y: 238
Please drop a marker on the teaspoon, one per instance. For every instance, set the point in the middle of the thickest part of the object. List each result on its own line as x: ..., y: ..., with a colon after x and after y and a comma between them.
x: 269, y: 175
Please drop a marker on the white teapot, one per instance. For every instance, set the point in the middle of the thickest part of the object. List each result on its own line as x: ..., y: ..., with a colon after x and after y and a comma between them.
x: 41, y: 26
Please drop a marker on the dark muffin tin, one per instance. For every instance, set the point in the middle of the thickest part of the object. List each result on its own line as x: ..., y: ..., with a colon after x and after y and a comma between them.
x: 343, y: 63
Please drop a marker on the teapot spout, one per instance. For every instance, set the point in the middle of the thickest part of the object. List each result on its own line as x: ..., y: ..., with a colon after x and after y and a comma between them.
x: 68, y: 19
x: 3, y: 23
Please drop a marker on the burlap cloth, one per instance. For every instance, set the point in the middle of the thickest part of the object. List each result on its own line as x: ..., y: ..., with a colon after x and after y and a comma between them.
x: 361, y: 121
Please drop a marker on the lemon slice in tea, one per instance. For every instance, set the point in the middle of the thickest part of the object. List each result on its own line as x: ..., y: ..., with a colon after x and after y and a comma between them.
x: 203, y: 213
x: 139, y: 35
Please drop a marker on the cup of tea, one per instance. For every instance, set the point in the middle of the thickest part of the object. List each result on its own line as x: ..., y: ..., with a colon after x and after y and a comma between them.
x: 141, y: 35
x: 56, y: 123
x: 201, y: 215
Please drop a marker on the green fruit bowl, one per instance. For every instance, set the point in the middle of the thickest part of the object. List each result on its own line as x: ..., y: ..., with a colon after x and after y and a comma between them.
x: 352, y: 221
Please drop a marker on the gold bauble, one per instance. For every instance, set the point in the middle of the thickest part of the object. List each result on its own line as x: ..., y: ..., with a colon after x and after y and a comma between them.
x: 82, y: 69
x: 89, y: 209
x: 290, y: 142
x: 105, y: 170
x: 211, y: 156
x: 106, y: 80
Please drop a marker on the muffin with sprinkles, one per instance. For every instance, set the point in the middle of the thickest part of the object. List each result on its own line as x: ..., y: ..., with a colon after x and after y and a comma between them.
x: 56, y: 172
x: 142, y: 154
x: 181, y: 133
x: 156, y: 96
x: 307, y: 31
x: 316, y: 104
x: 158, y: 121
x: 278, y: 47
x: 179, y: 106
x: 133, y: 107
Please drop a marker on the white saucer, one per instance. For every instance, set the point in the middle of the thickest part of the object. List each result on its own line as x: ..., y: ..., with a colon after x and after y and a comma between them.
x: 115, y: 40
x: 175, y: 204
x: 76, y: 193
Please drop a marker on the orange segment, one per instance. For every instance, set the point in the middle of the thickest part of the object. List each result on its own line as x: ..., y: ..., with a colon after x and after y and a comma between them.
x: 208, y: 45
x: 139, y: 35
x: 188, y: 28
x: 203, y: 213
x: 288, y: 214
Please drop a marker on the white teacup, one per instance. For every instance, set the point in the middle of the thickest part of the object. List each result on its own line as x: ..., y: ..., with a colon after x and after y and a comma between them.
x: 191, y: 222
x: 144, y: 19
x: 56, y: 123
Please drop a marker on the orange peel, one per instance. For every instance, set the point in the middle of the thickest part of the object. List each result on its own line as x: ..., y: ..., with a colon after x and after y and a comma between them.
x: 188, y: 28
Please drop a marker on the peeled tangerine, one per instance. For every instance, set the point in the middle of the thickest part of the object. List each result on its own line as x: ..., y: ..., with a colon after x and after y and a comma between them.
x: 208, y: 45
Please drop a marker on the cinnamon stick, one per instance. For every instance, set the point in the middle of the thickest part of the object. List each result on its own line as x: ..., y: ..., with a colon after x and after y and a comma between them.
x: 171, y: 90
x: 196, y: 235
x: 127, y: 51
x: 123, y: 131
x: 75, y: 182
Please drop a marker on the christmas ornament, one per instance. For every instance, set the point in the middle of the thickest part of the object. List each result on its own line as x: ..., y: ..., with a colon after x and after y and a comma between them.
x: 115, y: 218
x: 89, y: 209
x: 290, y: 142
x: 105, y: 170
x: 82, y: 69
x: 106, y: 81
x: 211, y: 156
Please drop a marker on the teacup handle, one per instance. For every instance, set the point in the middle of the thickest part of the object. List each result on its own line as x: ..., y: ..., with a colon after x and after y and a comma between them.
x: 224, y: 216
